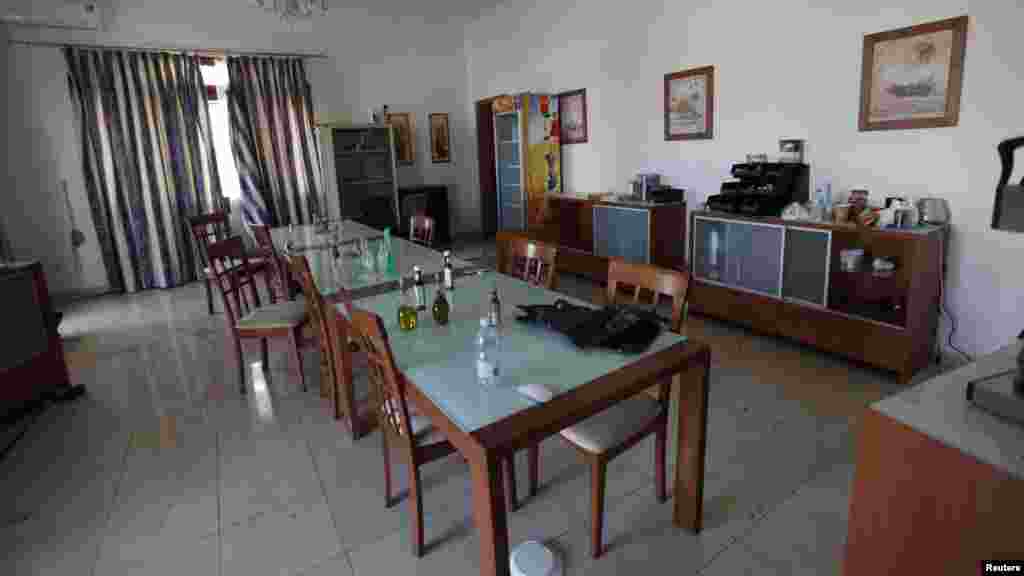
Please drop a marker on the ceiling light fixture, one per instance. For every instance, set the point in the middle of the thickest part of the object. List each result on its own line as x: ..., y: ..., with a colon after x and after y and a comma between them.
x: 294, y: 9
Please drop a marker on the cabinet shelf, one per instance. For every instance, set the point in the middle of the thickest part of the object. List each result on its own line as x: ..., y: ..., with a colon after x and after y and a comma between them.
x: 367, y: 181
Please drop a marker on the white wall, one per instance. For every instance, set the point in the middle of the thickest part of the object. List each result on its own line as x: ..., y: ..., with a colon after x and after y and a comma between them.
x: 785, y: 69
x: 385, y: 52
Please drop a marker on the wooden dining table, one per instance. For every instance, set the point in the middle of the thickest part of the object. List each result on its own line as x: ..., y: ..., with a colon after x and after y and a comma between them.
x: 488, y: 424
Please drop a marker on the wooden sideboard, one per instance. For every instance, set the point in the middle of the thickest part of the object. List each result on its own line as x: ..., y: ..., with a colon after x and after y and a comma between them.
x: 939, y: 483
x: 784, y: 278
x: 32, y: 355
x: 589, y: 233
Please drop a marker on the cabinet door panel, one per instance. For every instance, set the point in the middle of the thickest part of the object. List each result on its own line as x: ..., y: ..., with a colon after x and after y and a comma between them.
x: 709, y: 253
x: 621, y: 233
x: 807, y: 265
x: 756, y: 257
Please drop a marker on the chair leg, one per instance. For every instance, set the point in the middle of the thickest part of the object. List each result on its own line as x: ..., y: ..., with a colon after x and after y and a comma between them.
x: 510, y: 479
x: 598, y: 469
x: 659, y: 462
x: 534, y: 467
x: 265, y: 357
x: 416, y: 508
x: 209, y: 296
x: 241, y: 364
x: 293, y: 339
x: 388, y: 502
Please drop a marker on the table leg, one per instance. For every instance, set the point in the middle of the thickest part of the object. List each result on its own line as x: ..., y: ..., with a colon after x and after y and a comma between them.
x: 489, y: 514
x: 691, y: 440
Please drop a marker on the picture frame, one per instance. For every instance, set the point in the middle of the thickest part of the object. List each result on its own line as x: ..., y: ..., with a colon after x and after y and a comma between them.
x: 404, y: 125
x: 913, y: 77
x: 440, y: 139
x: 572, y: 110
x: 690, y: 104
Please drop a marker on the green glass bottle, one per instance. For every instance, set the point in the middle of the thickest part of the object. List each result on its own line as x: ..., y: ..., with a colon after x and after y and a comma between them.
x: 406, y: 311
x: 440, y: 308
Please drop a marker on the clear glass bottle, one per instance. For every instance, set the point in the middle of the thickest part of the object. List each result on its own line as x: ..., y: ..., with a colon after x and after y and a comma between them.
x: 448, y: 272
x: 383, y: 256
x: 488, y: 346
x: 419, y: 290
x: 494, y: 310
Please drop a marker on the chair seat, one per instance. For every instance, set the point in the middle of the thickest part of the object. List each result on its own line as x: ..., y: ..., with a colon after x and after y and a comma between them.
x: 285, y: 315
x: 610, y: 428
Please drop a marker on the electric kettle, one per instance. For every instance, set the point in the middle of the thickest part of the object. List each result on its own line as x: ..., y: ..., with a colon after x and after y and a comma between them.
x: 933, y: 211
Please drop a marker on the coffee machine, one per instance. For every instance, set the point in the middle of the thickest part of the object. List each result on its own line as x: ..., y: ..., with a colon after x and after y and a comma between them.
x: 762, y: 188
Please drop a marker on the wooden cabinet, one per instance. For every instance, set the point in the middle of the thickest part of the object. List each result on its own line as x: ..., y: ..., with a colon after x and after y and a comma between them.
x: 784, y: 278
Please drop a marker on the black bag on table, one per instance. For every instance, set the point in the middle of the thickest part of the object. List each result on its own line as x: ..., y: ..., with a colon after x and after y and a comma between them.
x: 628, y: 328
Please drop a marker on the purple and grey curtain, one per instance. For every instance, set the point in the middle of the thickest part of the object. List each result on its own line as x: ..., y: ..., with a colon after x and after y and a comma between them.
x: 274, y: 141
x: 148, y: 157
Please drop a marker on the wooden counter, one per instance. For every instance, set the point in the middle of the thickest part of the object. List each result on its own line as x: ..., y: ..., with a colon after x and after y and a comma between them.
x: 939, y: 483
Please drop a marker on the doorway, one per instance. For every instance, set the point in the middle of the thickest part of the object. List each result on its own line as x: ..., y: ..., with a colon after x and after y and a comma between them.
x: 487, y: 170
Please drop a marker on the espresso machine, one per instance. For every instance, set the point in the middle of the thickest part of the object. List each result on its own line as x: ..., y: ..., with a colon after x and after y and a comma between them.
x: 762, y: 188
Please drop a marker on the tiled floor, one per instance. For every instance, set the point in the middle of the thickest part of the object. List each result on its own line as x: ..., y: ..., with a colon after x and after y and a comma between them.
x: 163, y: 468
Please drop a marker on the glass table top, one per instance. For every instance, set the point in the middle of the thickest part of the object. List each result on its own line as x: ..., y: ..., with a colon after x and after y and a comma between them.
x: 343, y: 270
x: 440, y: 360
x: 310, y: 237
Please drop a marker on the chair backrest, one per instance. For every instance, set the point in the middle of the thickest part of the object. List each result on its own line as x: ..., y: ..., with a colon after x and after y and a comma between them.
x: 207, y: 229
x: 531, y: 261
x: 421, y: 229
x: 323, y: 314
x: 278, y: 270
x: 234, y: 277
x: 657, y: 281
x: 392, y: 407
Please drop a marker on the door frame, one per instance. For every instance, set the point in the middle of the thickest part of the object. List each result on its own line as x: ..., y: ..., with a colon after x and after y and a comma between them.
x: 487, y: 172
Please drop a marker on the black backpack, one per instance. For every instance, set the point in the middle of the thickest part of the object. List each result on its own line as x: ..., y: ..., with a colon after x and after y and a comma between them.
x: 627, y: 328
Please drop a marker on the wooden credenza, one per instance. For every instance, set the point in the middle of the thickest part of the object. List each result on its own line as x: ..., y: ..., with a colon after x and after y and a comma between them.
x: 784, y: 278
x: 31, y: 354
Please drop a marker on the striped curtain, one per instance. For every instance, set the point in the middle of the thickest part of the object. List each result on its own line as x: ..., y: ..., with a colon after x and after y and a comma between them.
x: 274, y: 141
x: 148, y: 158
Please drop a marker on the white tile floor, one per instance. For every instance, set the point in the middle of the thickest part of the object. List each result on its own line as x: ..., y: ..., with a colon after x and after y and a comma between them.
x: 163, y: 468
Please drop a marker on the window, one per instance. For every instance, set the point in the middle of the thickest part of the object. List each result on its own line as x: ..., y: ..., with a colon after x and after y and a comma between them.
x: 215, y: 75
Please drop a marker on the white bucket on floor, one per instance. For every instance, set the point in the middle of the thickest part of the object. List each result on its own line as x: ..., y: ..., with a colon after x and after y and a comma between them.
x: 533, y: 558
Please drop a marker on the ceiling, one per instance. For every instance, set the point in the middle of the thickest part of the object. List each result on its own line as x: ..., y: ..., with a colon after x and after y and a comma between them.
x: 429, y: 10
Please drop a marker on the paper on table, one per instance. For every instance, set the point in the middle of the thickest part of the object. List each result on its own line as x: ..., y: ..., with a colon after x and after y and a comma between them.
x: 536, y: 392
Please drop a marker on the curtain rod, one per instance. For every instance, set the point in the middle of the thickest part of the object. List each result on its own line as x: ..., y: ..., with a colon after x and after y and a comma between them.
x: 171, y: 49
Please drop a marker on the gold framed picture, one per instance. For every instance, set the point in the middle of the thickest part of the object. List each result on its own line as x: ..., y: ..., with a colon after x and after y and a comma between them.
x: 440, y: 144
x: 912, y: 77
x: 404, y: 125
x: 690, y: 104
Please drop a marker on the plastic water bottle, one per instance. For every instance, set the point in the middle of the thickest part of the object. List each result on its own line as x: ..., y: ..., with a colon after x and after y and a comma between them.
x: 488, y: 344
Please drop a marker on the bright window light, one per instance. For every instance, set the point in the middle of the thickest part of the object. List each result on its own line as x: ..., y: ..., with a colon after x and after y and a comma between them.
x: 217, y: 75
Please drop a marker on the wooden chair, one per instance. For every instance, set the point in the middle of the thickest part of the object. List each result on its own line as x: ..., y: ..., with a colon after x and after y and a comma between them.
x: 529, y: 260
x: 608, y: 434
x: 207, y: 229
x: 247, y: 319
x: 336, y: 348
x: 421, y: 229
x: 282, y: 285
x: 413, y: 434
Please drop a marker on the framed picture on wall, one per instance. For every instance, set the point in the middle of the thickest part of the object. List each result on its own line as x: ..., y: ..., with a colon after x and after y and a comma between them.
x: 690, y: 104
x: 440, y: 152
x: 572, y: 108
x: 404, y: 125
x: 912, y: 77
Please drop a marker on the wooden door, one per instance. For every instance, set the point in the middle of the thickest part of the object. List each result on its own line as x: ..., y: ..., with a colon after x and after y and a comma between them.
x: 488, y: 176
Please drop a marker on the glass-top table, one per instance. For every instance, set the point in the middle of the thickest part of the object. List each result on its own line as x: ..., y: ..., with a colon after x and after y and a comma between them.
x: 535, y: 361
x: 311, y: 237
x: 339, y: 270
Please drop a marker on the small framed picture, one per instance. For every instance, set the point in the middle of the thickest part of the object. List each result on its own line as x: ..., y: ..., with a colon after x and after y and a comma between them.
x: 912, y: 77
x: 440, y: 152
x: 690, y: 104
x: 404, y: 125
x: 572, y: 107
